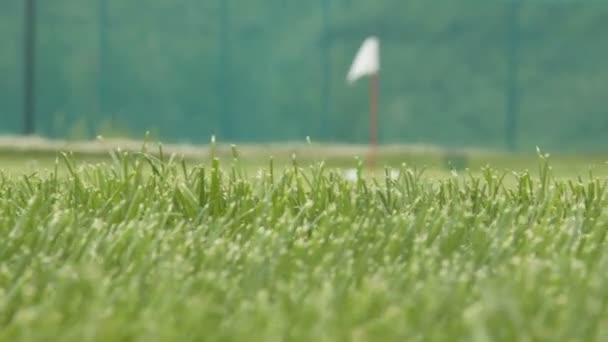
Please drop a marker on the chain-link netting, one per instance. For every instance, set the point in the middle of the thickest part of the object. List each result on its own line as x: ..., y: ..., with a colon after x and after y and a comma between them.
x: 481, y: 73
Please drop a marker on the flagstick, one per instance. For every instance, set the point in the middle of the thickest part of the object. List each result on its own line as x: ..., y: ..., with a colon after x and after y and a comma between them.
x: 367, y: 63
x: 373, y: 120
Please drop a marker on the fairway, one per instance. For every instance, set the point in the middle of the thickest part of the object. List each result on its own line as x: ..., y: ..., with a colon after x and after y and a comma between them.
x: 145, y: 246
x: 19, y: 155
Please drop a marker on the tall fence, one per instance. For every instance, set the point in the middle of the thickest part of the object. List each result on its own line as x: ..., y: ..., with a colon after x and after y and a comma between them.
x: 498, y: 73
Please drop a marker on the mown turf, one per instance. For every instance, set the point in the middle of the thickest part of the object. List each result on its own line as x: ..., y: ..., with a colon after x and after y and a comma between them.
x: 151, y: 249
x: 19, y: 155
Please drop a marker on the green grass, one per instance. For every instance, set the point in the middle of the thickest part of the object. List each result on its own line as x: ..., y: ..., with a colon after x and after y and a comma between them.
x: 148, y: 248
x: 19, y: 156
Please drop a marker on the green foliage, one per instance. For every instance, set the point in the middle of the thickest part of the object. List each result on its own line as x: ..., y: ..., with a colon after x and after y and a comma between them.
x: 78, y: 129
x: 148, y: 248
x: 108, y: 128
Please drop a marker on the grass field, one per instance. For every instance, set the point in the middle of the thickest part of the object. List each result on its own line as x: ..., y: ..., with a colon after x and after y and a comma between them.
x: 139, y: 246
x: 20, y: 155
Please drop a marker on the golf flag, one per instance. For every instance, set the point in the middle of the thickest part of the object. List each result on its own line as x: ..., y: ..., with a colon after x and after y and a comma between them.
x: 367, y: 61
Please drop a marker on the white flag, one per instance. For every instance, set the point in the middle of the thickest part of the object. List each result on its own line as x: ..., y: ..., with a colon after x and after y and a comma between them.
x: 367, y: 61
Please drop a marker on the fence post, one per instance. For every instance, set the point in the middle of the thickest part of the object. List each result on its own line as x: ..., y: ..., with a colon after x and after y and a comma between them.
x: 29, y: 67
x: 326, y: 69
x: 102, y: 60
x: 224, y: 70
x: 512, y: 86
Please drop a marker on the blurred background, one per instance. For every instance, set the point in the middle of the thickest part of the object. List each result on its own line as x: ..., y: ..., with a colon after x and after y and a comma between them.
x: 497, y: 74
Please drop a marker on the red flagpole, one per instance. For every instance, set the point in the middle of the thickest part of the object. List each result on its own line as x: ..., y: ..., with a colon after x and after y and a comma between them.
x: 373, y: 119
